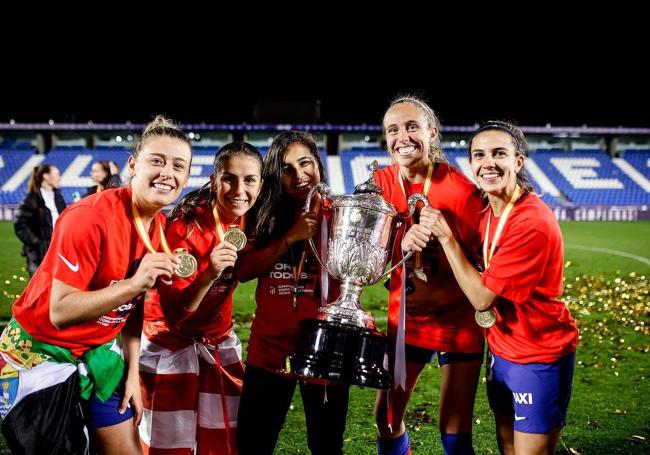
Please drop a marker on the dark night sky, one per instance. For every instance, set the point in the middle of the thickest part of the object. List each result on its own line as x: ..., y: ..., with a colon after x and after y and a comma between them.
x: 354, y: 95
x: 542, y: 74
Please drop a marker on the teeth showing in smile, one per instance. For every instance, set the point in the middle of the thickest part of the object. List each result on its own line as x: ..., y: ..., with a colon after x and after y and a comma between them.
x: 162, y: 187
x: 238, y: 201
x: 302, y: 185
x: 490, y: 176
x: 406, y: 150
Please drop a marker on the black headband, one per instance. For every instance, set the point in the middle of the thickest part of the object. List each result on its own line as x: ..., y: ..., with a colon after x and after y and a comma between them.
x: 501, y: 126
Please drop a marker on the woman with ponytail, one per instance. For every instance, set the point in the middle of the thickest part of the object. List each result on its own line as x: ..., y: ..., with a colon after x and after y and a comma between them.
x: 64, y: 374
x: 38, y: 213
x: 190, y: 365
x: 429, y: 317
x: 531, y: 335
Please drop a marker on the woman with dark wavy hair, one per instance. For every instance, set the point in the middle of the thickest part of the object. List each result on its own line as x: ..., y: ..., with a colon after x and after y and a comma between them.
x: 289, y: 290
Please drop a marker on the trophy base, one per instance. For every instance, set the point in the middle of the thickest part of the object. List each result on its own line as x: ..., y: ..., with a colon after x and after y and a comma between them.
x: 347, y: 316
x: 340, y: 353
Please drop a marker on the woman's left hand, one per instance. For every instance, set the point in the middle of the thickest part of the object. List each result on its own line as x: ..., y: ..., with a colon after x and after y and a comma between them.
x: 133, y: 396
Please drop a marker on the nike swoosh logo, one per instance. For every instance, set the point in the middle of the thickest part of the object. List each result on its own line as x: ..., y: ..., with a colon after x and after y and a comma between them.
x: 519, y: 418
x: 74, y: 268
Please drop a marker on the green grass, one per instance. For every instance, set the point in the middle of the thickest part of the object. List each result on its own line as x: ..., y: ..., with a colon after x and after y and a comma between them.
x: 608, y: 295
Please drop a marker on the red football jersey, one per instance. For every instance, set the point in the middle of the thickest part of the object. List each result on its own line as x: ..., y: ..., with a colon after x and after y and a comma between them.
x: 95, y: 244
x: 533, y: 325
x: 166, y: 322
x: 275, y: 329
x: 447, y: 322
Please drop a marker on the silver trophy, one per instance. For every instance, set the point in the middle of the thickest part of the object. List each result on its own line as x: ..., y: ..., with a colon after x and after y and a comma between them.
x: 343, y: 344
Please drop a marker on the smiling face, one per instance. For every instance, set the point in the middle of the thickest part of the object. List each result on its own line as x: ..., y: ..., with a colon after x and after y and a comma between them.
x: 495, y: 162
x: 408, y: 135
x: 97, y: 173
x: 160, y: 172
x: 237, y: 185
x: 299, y: 171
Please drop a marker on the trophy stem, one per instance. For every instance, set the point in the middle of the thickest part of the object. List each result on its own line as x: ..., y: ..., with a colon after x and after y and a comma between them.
x: 347, y: 308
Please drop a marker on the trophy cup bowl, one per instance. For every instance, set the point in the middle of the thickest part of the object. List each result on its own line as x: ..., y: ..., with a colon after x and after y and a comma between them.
x: 343, y: 344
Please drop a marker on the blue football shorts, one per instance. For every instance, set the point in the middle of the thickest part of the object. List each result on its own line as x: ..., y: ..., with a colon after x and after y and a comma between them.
x: 536, y: 393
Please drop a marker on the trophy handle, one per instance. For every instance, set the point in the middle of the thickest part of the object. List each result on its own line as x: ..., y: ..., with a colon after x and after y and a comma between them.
x: 412, y: 202
x: 324, y: 190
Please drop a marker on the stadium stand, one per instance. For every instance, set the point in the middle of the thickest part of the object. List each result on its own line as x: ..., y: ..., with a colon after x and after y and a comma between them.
x: 567, y: 176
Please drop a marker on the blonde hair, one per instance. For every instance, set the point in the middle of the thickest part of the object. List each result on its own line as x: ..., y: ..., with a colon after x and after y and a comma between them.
x: 160, y: 126
x: 435, y: 153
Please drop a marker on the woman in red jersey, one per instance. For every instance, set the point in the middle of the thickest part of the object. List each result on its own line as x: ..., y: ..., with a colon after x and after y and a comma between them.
x: 289, y: 289
x: 428, y: 315
x: 531, y: 336
x: 62, y: 366
x: 188, y: 340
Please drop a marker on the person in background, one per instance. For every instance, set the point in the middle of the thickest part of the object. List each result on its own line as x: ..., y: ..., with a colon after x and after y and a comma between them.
x: 100, y: 174
x: 116, y: 179
x: 38, y: 213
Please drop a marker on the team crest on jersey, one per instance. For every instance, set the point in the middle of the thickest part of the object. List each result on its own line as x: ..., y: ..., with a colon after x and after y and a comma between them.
x: 9, y: 382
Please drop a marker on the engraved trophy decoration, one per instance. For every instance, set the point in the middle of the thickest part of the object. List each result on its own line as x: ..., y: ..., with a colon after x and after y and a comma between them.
x: 343, y: 344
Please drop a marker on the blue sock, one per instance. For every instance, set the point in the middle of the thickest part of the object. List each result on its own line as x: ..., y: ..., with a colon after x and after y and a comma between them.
x: 457, y: 444
x: 397, y: 446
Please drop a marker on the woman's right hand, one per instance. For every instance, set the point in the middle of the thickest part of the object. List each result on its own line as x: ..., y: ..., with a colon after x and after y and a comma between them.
x: 305, y: 227
x: 153, y: 266
x: 416, y: 238
x: 222, y: 256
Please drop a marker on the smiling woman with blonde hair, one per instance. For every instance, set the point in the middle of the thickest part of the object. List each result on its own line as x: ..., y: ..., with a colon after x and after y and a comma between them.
x: 62, y: 338
x: 429, y: 318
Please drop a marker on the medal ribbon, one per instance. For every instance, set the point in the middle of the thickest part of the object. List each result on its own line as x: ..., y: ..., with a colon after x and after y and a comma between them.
x: 400, y: 355
x: 217, y: 222
x: 425, y: 191
x: 144, y: 235
x: 296, y: 270
x: 502, y: 222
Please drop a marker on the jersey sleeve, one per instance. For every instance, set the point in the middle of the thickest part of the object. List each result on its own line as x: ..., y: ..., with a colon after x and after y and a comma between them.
x: 518, y: 264
x: 79, y: 240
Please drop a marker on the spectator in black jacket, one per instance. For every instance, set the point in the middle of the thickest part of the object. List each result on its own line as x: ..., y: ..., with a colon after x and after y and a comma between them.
x: 38, y: 213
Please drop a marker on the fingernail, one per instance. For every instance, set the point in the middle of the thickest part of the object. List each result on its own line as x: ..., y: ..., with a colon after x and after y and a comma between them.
x: 121, y: 411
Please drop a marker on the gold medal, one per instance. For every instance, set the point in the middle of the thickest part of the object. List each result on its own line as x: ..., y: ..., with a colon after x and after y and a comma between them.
x: 485, y: 319
x: 420, y: 275
x: 188, y: 263
x: 235, y: 237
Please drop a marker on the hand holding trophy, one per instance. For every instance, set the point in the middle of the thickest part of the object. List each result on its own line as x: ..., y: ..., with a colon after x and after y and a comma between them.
x: 343, y: 344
